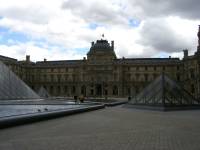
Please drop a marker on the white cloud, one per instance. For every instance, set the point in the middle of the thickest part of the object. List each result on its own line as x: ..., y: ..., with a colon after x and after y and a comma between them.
x: 66, y: 24
x: 20, y: 50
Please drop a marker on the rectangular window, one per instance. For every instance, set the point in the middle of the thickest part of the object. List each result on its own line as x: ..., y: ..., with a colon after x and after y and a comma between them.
x: 128, y: 77
x: 177, y: 67
x: 51, y: 89
x: 59, y: 77
x: 73, y: 78
x: 163, y: 68
x: 73, y: 90
x: 129, y: 91
x: 178, y: 77
x: 91, y: 92
x: 58, y: 90
x: 66, y: 89
x: 192, y: 73
x: 115, y: 77
x: 52, y: 78
x: 146, y: 77
x: 146, y: 68
x: 45, y: 77
x: 154, y: 75
x: 66, y: 77
x: 192, y: 88
x: 137, y: 76
x: 33, y: 78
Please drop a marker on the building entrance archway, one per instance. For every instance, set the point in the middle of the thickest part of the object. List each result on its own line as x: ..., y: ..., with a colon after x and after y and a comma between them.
x: 98, y: 88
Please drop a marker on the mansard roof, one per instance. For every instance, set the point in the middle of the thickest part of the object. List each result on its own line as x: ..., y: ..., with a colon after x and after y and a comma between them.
x: 7, y: 59
x: 130, y: 61
x: 57, y: 63
x: 156, y: 61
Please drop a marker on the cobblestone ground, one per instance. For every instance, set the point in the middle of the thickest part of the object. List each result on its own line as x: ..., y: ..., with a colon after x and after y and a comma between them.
x: 113, y: 128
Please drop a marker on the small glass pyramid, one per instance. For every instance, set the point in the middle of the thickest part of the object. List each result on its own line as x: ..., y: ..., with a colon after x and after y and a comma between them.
x: 43, y: 92
x: 164, y: 91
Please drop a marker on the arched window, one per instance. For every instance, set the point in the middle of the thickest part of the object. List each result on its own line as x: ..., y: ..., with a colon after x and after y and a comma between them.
x: 73, y: 90
x: 51, y: 89
x: 58, y: 90
x: 115, y: 90
x: 66, y: 89
x: 128, y: 90
x: 83, y: 90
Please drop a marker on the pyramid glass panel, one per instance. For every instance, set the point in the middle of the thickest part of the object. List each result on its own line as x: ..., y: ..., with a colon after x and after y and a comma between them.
x: 164, y: 91
x: 12, y: 87
x: 43, y: 92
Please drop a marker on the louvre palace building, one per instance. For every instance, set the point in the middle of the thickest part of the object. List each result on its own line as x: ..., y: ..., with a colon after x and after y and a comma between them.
x: 102, y: 74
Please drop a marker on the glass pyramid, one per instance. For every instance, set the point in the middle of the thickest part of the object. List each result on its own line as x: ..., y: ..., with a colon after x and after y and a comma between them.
x: 43, y: 92
x: 166, y: 92
x: 12, y: 87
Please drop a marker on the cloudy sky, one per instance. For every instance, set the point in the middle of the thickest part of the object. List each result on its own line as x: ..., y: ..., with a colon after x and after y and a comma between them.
x: 64, y: 29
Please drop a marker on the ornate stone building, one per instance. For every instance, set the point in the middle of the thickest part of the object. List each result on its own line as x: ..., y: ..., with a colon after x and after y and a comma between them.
x: 102, y: 74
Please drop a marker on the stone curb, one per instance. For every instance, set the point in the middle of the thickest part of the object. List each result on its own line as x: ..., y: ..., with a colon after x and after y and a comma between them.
x: 29, y: 118
x: 115, y: 104
x: 162, y: 108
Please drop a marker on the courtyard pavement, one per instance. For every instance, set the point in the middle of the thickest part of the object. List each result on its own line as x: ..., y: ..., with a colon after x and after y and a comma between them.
x: 113, y: 128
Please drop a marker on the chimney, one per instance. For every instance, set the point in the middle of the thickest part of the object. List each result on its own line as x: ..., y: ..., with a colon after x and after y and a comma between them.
x: 92, y: 43
x: 45, y: 59
x: 112, y: 44
x: 185, y: 52
x: 198, y: 35
x: 27, y: 58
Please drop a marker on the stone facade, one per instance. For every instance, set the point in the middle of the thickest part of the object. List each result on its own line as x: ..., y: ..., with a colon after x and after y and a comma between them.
x: 102, y: 74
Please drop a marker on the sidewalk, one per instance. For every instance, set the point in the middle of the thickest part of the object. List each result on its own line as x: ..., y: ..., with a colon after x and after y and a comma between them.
x: 114, y: 128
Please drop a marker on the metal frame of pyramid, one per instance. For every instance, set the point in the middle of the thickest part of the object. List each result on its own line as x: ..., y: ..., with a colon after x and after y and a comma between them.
x: 12, y: 87
x: 165, y: 92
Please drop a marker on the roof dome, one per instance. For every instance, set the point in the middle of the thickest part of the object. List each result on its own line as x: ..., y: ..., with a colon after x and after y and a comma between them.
x: 101, y: 45
x: 101, y: 50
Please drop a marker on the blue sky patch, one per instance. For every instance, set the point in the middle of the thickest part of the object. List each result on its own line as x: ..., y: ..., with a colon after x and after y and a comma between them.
x: 93, y: 26
x: 3, y: 30
x: 134, y: 23
x: 82, y: 51
x: 162, y: 55
x: 7, y: 35
x: 41, y: 43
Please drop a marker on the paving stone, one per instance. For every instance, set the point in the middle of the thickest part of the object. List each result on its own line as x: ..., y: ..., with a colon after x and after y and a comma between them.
x: 109, y: 129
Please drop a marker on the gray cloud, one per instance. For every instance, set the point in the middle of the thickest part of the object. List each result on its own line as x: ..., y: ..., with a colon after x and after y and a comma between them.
x: 36, y: 15
x: 157, y: 34
x: 96, y: 12
x: 159, y: 8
